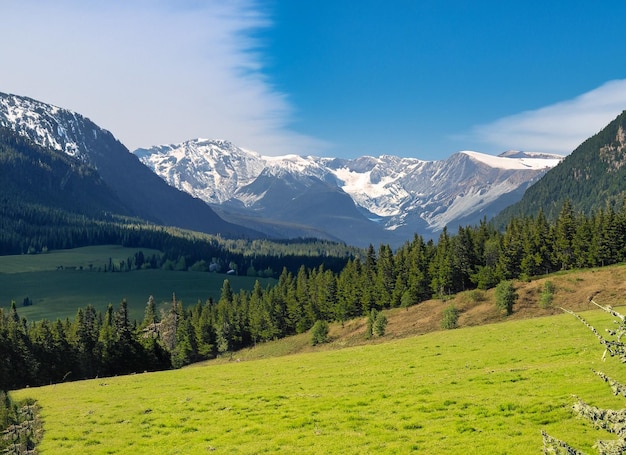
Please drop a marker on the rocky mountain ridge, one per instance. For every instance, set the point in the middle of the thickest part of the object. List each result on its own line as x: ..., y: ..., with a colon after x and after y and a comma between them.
x: 395, y: 197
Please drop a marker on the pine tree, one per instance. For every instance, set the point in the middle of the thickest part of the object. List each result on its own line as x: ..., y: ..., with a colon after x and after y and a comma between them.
x: 464, y: 259
x: 258, y: 315
x: 319, y: 332
x: 205, y: 332
x: 565, y: 229
x: 380, y: 324
x: 348, y: 302
x: 151, y: 318
x: 505, y: 296
x: 385, y: 277
x: 512, y: 250
x: 186, y: 350
x: 418, y: 279
x: 299, y: 313
x: 441, y: 267
x: 86, y: 332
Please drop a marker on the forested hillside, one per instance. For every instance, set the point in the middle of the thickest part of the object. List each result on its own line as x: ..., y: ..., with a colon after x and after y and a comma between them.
x: 30, y: 174
x: 592, y: 176
x: 144, y: 193
x: 474, y: 257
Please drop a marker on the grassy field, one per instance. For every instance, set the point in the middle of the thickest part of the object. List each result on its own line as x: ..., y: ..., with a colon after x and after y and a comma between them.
x: 59, y: 293
x: 87, y: 257
x: 476, y: 390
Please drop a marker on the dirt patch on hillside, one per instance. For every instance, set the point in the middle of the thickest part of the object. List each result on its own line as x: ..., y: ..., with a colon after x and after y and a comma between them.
x: 572, y: 290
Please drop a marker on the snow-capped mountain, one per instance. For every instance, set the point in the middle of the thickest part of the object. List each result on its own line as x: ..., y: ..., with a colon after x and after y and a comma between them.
x: 384, y: 198
x: 143, y: 193
x: 367, y: 200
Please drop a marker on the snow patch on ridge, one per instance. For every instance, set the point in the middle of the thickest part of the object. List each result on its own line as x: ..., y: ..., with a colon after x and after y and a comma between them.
x: 46, y: 125
x: 504, y: 162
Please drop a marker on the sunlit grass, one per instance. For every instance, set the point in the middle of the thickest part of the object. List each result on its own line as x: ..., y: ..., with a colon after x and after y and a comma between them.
x: 489, y: 389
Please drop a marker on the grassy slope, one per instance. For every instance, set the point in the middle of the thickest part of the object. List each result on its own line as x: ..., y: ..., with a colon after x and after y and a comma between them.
x: 479, y: 389
x: 488, y: 389
x: 59, y: 293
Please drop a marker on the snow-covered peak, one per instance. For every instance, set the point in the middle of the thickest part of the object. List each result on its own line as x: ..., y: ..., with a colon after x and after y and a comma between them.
x: 293, y: 163
x: 211, y: 170
x: 513, y: 160
x: 48, y: 126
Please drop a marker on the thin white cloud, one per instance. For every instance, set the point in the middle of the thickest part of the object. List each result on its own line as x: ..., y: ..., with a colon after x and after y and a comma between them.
x: 558, y: 128
x: 151, y: 72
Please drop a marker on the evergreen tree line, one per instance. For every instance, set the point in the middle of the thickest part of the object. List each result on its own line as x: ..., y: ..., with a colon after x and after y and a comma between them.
x: 94, y: 344
x: 34, y: 229
x: 476, y: 257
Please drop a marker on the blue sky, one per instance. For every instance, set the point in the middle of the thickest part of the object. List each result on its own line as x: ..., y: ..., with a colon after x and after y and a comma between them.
x: 416, y: 78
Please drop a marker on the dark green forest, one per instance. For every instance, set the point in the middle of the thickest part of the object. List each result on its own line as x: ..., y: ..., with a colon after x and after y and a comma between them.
x: 33, y: 229
x: 95, y: 344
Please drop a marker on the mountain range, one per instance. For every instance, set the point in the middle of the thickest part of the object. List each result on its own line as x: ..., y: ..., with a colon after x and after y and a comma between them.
x: 360, y: 201
x: 215, y: 187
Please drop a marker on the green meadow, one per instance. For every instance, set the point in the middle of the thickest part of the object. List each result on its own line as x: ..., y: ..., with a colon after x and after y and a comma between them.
x: 477, y: 390
x: 60, y: 282
x: 86, y: 257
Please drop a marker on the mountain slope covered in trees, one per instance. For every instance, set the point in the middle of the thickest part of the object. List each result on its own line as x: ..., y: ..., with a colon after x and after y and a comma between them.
x: 30, y: 174
x: 143, y: 192
x: 591, y: 177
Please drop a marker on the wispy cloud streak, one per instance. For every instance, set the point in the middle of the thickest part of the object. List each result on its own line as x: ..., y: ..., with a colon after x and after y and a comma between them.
x: 152, y: 72
x: 558, y: 128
